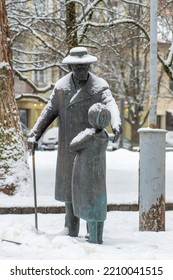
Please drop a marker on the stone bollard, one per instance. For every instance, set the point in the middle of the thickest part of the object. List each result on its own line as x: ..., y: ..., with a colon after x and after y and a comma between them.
x: 152, y: 180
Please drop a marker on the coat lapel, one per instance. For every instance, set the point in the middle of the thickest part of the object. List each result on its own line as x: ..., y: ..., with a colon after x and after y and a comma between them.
x: 78, y: 96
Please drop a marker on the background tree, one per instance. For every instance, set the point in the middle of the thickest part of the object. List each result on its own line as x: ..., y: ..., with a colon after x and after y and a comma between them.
x: 127, y: 65
x: 13, y: 167
x: 72, y: 39
x: 56, y: 26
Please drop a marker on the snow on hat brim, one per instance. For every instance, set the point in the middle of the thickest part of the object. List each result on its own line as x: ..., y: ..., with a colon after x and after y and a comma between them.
x: 79, y: 55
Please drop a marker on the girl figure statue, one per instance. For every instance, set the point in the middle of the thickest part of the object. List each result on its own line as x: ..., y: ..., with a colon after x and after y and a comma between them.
x: 89, y: 172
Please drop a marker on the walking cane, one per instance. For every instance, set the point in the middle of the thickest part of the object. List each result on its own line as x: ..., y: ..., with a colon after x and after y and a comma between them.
x: 34, y: 186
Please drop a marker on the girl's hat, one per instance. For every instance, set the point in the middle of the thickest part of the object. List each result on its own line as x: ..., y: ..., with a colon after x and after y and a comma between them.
x: 99, y: 116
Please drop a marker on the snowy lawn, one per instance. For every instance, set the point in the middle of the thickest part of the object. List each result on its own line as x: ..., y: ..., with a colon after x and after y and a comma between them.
x: 122, y: 179
x: 122, y: 239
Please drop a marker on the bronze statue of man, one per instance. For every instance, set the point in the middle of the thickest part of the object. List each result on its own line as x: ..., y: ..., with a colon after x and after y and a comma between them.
x: 70, y: 100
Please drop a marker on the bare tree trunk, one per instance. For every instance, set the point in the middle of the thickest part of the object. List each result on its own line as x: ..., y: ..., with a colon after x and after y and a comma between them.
x: 135, y: 134
x: 12, y: 151
x: 7, y: 101
x: 72, y: 40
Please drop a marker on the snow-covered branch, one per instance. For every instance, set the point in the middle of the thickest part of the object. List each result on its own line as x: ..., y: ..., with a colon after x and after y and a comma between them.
x: 24, y: 70
x: 26, y: 52
x: 117, y: 22
x: 41, y: 38
x: 32, y: 85
x: 169, y: 59
x: 134, y: 3
x: 88, y: 10
x: 76, y: 2
x: 170, y: 92
x: 30, y: 95
x: 168, y: 63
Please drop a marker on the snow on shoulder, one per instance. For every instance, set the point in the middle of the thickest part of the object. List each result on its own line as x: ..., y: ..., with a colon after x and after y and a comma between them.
x: 81, y: 135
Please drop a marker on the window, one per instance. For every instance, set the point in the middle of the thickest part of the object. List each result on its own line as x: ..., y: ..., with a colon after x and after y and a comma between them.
x: 39, y: 75
x: 169, y: 120
x: 171, y: 84
x: 39, y: 7
x: 158, y: 121
x: 23, y: 115
x: 62, y: 8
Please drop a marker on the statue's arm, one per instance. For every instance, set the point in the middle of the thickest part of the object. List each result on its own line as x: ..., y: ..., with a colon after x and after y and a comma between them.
x: 82, y: 140
x: 48, y: 115
x: 111, y: 105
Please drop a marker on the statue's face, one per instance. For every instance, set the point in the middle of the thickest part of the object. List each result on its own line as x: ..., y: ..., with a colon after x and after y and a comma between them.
x: 80, y: 71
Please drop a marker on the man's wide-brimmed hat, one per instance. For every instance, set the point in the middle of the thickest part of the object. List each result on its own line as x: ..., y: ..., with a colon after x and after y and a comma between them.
x: 79, y: 55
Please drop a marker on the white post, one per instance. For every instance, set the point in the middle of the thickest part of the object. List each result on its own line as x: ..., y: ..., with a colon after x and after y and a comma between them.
x: 152, y: 150
x: 153, y: 64
x: 152, y: 180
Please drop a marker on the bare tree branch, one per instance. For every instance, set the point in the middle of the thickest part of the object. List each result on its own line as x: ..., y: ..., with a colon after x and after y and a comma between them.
x: 117, y: 22
x: 134, y: 2
x: 32, y: 85
x: 30, y: 95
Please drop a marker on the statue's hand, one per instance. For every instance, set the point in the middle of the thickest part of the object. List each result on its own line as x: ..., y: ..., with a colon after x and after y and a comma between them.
x: 117, y: 133
x: 32, y: 143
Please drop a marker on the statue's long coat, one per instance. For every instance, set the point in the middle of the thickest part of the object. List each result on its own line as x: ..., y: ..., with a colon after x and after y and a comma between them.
x: 89, y: 176
x: 71, y: 107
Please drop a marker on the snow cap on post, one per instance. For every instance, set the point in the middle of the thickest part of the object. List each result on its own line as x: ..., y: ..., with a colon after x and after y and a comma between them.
x: 79, y: 55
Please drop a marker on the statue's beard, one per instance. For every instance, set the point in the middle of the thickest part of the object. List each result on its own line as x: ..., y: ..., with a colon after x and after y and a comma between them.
x: 82, y: 76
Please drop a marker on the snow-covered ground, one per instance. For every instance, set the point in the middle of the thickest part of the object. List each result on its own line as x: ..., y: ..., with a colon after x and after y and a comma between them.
x: 122, y: 239
x: 122, y: 179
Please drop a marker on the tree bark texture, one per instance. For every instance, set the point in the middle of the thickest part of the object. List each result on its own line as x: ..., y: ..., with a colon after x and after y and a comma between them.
x: 11, y: 141
x: 8, y: 106
x: 72, y: 39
